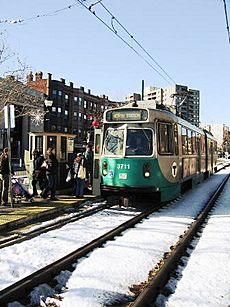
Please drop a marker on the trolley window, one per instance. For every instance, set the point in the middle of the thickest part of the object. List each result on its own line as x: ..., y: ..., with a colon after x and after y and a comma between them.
x: 194, y: 143
x: 176, y: 139
x: 202, y: 142
x: 114, y: 141
x: 165, y: 138
x: 184, y: 140
x: 189, y: 134
x: 129, y: 142
x: 139, y: 142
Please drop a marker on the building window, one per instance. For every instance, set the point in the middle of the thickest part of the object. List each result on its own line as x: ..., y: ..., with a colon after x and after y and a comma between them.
x: 66, y: 97
x: 59, y: 109
x: 54, y: 109
x: 54, y: 93
x: 65, y: 129
x: 59, y: 93
x: 63, y: 148
x: 66, y: 112
x: 75, y: 114
x: 39, y: 143
x: 75, y: 99
x: 51, y: 141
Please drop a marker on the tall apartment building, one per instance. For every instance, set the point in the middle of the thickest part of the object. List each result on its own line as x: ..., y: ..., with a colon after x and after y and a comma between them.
x: 185, y: 101
x: 73, y: 109
x: 180, y: 99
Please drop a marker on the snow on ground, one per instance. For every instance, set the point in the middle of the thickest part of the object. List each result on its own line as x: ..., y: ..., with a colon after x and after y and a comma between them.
x: 20, y: 260
x: 206, y: 278
x: 105, y: 277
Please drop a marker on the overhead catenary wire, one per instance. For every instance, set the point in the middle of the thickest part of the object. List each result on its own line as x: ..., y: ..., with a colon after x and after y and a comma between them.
x: 132, y: 37
x: 52, y: 13
x: 226, y: 19
x: 112, y: 28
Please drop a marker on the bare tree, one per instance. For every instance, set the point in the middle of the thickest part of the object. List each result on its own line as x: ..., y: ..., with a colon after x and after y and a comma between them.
x: 13, y: 89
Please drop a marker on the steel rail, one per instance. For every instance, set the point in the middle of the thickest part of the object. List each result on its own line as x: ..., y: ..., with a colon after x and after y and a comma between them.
x: 16, y: 236
x: 170, y: 261
x: 22, y: 288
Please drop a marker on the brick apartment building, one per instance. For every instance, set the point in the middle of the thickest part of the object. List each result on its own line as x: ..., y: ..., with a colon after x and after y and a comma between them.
x: 73, y: 109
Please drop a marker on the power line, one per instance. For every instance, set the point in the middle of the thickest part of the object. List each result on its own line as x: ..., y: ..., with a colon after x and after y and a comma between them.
x: 52, y: 13
x: 112, y: 28
x: 164, y: 74
x: 226, y: 18
x: 114, y: 18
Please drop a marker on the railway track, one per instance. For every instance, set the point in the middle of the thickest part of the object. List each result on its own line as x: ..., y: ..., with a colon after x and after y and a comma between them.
x: 20, y: 290
x: 21, y: 234
x: 147, y: 293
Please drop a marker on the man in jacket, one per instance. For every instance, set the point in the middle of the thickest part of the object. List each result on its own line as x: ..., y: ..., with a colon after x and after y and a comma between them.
x: 51, y: 174
x: 5, y: 174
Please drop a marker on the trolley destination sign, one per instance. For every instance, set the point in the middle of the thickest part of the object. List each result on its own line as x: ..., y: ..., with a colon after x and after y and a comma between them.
x: 126, y: 115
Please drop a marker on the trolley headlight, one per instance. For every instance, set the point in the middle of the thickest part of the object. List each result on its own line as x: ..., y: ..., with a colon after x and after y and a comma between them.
x: 104, y: 168
x: 104, y: 172
x: 147, y: 170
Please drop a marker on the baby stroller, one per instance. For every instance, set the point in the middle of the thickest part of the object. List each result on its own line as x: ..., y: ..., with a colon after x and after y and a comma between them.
x: 19, y: 191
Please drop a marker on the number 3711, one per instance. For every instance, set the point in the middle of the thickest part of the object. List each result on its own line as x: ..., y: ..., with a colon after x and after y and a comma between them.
x: 123, y: 166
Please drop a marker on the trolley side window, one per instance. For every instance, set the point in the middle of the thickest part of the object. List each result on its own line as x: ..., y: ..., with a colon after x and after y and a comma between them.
x: 189, y: 140
x: 194, y: 143
x: 165, y: 138
x: 176, y: 139
x: 202, y: 142
x: 184, y: 141
x: 189, y: 134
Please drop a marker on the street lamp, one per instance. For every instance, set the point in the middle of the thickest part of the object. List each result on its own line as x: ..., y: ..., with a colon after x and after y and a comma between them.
x: 48, y: 102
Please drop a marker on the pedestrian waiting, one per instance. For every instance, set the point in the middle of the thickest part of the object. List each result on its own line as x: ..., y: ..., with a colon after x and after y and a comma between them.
x: 80, y: 174
x: 39, y: 173
x: 89, y: 164
x: 5, y: 176
x: 50, y: 166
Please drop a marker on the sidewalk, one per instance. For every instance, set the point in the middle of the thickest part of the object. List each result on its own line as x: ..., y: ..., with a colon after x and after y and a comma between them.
x: 26, y: 211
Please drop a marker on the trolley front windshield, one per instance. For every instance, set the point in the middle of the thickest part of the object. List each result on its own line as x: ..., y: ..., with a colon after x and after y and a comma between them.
x: 128, y: 142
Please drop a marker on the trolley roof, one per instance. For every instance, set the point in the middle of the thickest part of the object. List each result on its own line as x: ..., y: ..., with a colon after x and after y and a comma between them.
x: 146, y: 112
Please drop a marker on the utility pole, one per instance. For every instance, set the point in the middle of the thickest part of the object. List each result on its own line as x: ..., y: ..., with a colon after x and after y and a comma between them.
x: 142, y: 89
x: 9, y: 123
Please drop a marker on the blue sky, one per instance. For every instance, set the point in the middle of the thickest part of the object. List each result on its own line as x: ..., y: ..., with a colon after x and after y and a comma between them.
x: 188, y: 39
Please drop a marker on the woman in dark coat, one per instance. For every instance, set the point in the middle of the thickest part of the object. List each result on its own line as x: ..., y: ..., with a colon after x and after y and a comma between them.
x: 5, y: 172
x: 51, y: 174
x: 39, y: 175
